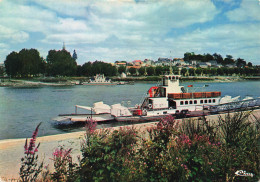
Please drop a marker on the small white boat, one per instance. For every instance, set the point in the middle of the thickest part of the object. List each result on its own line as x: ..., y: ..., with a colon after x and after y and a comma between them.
x: 100, y: 112
x: 99, y: 80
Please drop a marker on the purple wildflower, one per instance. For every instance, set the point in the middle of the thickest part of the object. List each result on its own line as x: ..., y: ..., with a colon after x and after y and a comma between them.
x: 31, y: 148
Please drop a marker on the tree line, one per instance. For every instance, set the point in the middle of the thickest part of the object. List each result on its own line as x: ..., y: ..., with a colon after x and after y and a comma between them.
x: 223, y: 71
x: 29, y: 63
x: 189, y: 56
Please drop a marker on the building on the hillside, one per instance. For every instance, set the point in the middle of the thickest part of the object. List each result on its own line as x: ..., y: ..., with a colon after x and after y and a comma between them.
x: 136, y: 67
x: 120, y: 63
x: 231, y: 65
x: 202, y: 65
x: 148, y: 62
x: 179, y: 62
x: 137, y: 63
x: 194, y: 62
x: 163, y: 62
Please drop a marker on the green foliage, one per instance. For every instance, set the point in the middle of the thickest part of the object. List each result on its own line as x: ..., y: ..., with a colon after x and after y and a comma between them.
x: 108, y: 156
x: 121, y: 69
x: 26, y: 63
x: 194, y: 150
x: 191, y: 72
x: 141, y: 71
x: 183, y: 71
x: 150, y: 71
x: 198, y: 71
x: 132, y: 71
x: 98, y: 67
x: 64, y: 168
x: 60, y: 63
x: 158, y: 70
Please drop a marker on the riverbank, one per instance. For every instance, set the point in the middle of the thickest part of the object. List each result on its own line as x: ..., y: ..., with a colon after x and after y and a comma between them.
x: 68, y: 81
x: 11, y: 150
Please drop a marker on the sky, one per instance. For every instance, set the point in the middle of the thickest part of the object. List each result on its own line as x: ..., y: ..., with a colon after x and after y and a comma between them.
x: 117, y: 30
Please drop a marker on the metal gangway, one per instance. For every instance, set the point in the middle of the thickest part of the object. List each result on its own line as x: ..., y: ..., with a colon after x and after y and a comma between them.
x: 249, y: 104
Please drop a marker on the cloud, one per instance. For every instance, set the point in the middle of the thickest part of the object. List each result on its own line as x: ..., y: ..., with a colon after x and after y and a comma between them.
x: 233, y: 39
x: 249, y: 10
x: 73, y: 8
x: 125, y: 29
x: 12, y: 35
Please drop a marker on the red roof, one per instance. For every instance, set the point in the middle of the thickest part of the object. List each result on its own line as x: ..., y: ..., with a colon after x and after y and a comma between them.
x: 137, y: 61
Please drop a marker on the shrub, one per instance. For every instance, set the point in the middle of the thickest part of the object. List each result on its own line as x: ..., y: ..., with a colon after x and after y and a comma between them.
x: 107, y: 156
x: 65, y: 169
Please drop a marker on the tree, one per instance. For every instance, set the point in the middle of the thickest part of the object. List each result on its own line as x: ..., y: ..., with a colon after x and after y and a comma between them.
x: 183, y: 71
x: 31, y: 62
x: 249, y: 64
x: 198, y: 71
x: 61, y: 63
x: 228, y: 60
x: 218, y: 58
x: 121, y: 69
x: 158, y: 70
x: 191, y: 72
x: 208, y: 57
x: 87, y: 69
x: 240, y: 63
x: 12, y: 64
x: 220, y: 71
x: 206, y: 71
x: 213, y: 71
x: 132, y: 71
x: 141, y: 71
x: 25, y: 63
x: 150, y: 71
x: 79, y: 70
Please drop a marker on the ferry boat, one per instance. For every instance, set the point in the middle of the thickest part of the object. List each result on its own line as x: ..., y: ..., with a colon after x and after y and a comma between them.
x: 99, y: 80
x: 170, y: 98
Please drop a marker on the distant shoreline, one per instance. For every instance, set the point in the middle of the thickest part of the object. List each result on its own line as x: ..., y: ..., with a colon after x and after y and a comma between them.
x: 20, y: 83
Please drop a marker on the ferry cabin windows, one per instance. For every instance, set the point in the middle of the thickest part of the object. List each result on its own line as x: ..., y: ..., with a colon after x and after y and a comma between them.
x: 190, y: 102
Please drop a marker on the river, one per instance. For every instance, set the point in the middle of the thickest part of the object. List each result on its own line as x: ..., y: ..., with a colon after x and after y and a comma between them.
x: 21, y: 109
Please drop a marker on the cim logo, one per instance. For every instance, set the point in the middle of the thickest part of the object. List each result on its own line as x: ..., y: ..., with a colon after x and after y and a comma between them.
x: 243, y: 173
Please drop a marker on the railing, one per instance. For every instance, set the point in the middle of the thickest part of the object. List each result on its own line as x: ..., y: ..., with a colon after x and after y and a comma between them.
x: 243, y: 105
x: 194, y: 95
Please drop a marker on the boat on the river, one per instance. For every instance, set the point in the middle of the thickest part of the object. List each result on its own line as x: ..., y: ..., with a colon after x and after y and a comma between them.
x: 168, y: 98
x: 99, y: 79
x: 100, y: 112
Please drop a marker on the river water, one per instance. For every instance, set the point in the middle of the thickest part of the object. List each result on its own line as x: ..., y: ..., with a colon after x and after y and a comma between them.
x: 21, y: 109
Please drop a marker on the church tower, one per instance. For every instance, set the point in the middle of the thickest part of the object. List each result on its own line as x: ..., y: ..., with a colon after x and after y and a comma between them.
x: 63, y: 47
